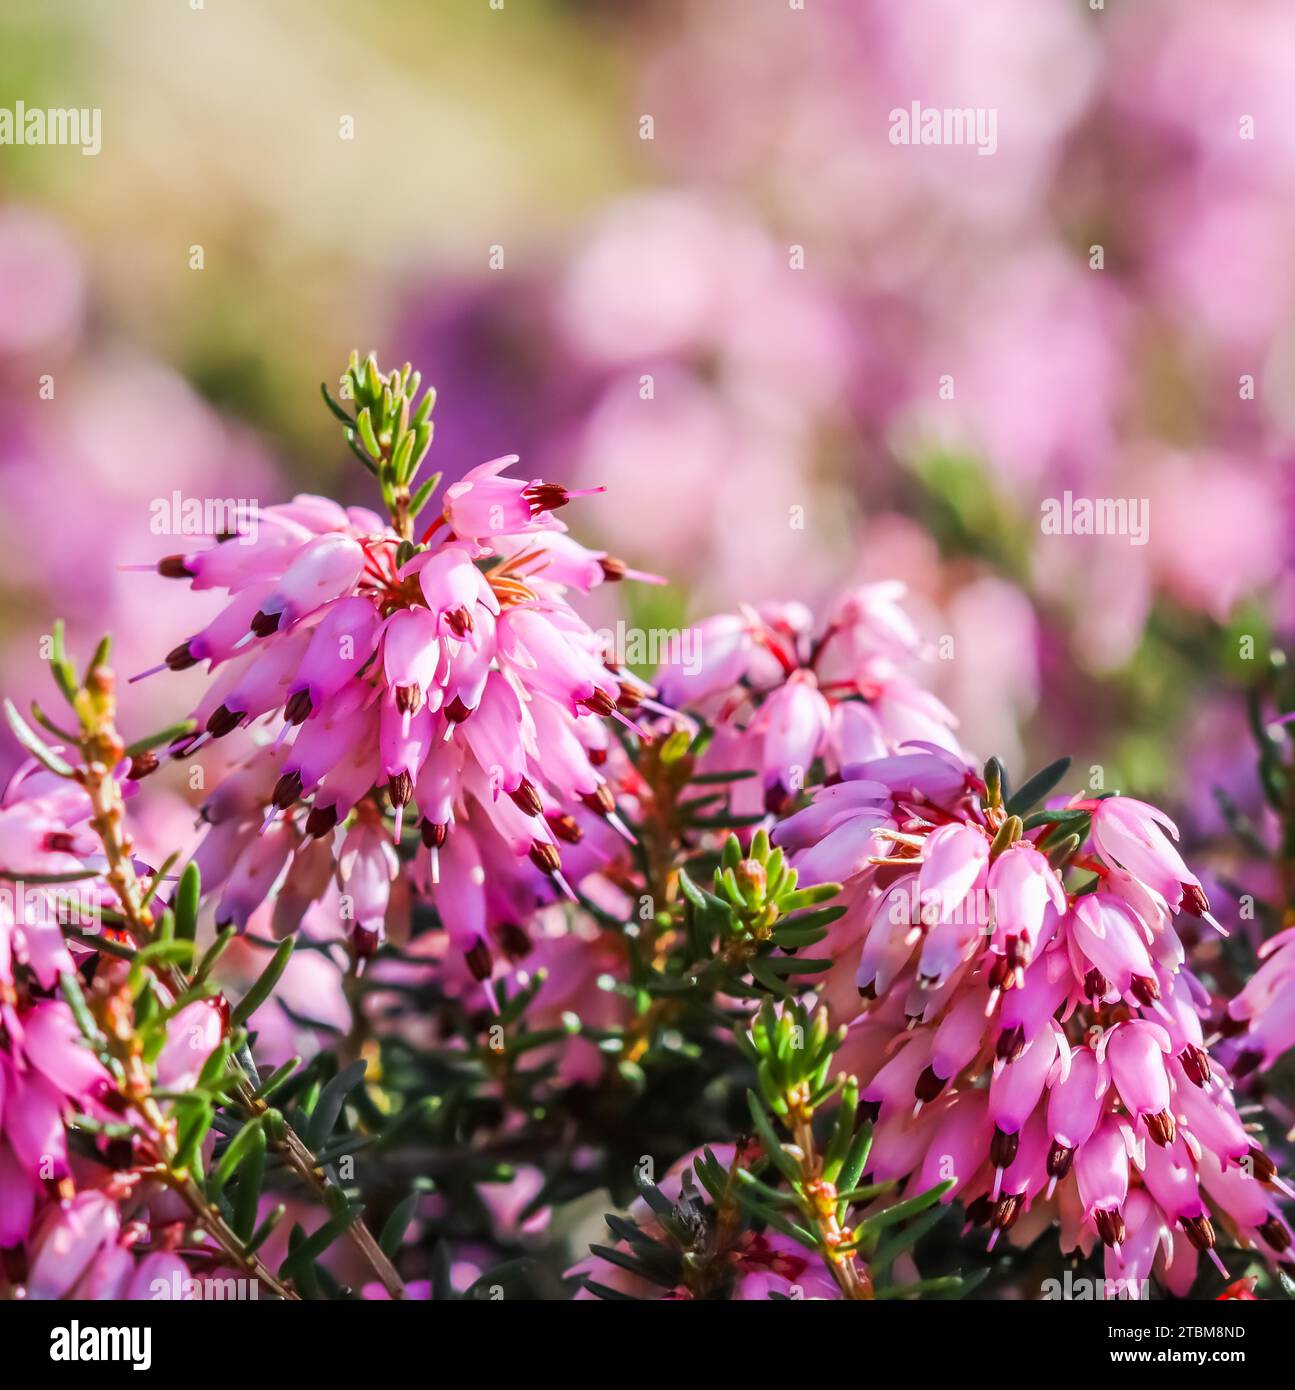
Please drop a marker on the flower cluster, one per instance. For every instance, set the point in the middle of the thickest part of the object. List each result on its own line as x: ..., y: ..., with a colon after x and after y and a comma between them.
x: 449, y: 675
x: 783, y: 698
x: 923, y: 988
x: 1260, y: 1021
x: 1030, y: 1028
x: 72, y: 1231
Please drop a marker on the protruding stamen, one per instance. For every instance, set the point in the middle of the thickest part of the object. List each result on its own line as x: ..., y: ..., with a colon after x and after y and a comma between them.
x: 527, y: 799
x: 223, y: 720
x: 545, y: 856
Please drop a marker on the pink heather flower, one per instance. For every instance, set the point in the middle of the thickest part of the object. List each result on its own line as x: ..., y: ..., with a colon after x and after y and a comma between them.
x: 495, y: 869
x: 72, y: 1245
x: 954, y: 861
x: 1015, y: 1089
x: 1146, y: 1238
x: 1041, y: 1044
x: 69, y: 1243
x: 1264, y: 1012
x: 1133, y: 835
x: 44, y: 830
x: 727, y: 644
x: 414, y: 658
x: 191, y: 1037
x: 1076, y: 1103
x: 83, y: 1249
x: 794, y: 721
x: 454, y: 589
x: 454, y: 682
x: 782, y: 697
x: 771, y: 1264
x: 19, y: 1194
x: 1137, y: 1053
x: 1026, y: 897
x: 1109, y: 946
x: 1102, y: 1175
x: 482, y: 504
x: 367, y: 865
x: 257, y: 869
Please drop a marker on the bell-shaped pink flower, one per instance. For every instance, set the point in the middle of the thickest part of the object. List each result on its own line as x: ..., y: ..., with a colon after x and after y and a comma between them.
x: 1106, y: 933
x: 414, y: 657
x: 222, y: 638
x: 890, y: 939
x: 346, y: 781
x: 255, y: 689
x: 895, y: 1085
x: 1029, y: 1008
x: 958, y: 1145
x: 454, y: 588
x: 1132, y: 834
x: 254, y: 875
x: 1244, y: 1200
x: 33, y: 1120
x: 1102, y: 1172
x: 325, y: 568
x: 1128, y: 1266
x: 1170, y: 1176
x: 340, y: 645
x: 461, y: 891
x: 52, y: 1043
x: 19, y: 1190
x: 1023, y: 891
x: 368, y: 865
x: 405, y: 741
x: 559, y: 752
x: 338, y: 727
x: 483, y: 504
x: 1014, y: 1091
x: 308, y: 876
x: 1136, y: 1051
x: 954, y: 861
x: 69, y: 1243
x: 723, y: 645
x: 794, y: 722
x: 499, y: 735
x: 1023, y: 1177
x: 1211, y: 1118
x: 959, y: 1038
x: 1076, y: 1103
x: 192, y: 1035
x: 548, y: 659
x: 932, y: 775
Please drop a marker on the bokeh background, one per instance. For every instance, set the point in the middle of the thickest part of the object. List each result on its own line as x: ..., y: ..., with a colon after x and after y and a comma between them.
x: 667, y: 245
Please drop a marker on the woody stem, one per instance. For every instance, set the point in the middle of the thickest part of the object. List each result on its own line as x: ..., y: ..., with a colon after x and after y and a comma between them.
x: 819, y: 1204
x: 108, y: 822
